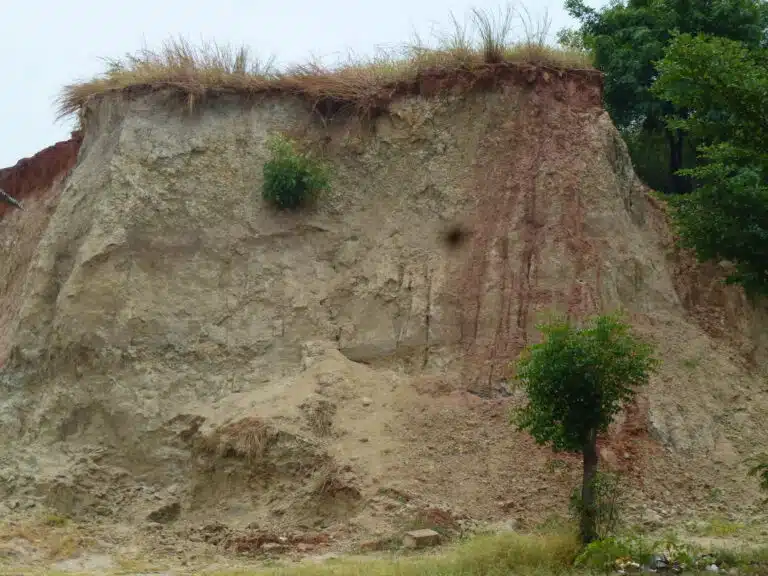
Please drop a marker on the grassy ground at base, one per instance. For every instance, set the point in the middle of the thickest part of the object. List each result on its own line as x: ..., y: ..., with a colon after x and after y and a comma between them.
x: 497, y: 555
x: 507, y: 554
x: 551, y: 551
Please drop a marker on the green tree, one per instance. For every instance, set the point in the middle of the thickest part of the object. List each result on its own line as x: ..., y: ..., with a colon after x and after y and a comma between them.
x: 628, y: 38
x: 577, y: 379
x: 724, y: 84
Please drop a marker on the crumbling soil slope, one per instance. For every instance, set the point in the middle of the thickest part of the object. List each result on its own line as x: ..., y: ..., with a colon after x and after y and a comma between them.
x: 183, y: 353
x: 36, y: 182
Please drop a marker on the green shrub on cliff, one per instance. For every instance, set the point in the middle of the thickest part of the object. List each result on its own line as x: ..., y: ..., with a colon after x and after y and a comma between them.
x: 291, y: 178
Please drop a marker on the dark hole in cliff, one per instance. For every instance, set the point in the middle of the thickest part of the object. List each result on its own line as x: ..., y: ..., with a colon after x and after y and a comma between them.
x: 455, y: 236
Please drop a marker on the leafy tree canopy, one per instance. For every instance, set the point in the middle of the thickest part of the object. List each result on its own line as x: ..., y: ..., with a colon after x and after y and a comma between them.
x: 724, y: 84
x: 628, y: 38
x: 578, y: 379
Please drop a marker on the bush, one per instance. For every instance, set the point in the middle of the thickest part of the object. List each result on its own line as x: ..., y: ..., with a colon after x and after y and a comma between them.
x: 635, y: 554
x: 607, y: 555
x: 609, y: 501
x: 291, y: 178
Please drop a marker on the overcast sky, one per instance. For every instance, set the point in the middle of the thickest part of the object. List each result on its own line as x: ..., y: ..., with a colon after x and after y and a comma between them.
x: 49, y: 43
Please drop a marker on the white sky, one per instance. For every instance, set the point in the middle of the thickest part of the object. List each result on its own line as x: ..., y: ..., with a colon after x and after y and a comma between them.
x: 49, y: 43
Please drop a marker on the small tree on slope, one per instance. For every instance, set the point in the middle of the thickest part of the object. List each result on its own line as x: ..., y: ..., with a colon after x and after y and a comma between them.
x: 576, y: 381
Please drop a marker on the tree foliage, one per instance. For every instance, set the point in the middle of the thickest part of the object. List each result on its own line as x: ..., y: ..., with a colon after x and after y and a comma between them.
x: 724, y: 84
x: 578, y: 378
x: 628, y: 38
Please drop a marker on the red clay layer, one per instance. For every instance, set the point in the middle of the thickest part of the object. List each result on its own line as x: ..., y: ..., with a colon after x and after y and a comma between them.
x: 35, y: 174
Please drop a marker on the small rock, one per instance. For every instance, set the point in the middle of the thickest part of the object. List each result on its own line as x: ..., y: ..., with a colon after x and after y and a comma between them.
x: 658, y: 562
x: 421, y: 538
x: 713, y: 568
x: 652, y: 519
x: 367, y: 401
x: 363, y: 440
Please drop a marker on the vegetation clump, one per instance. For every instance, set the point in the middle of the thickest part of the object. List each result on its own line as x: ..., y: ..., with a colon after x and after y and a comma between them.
x: 292, y: 178
x: 608, y: 507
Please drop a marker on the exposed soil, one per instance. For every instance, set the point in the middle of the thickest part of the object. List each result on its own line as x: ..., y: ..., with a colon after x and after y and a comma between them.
x: 198, y: 378
x: 36, y: 175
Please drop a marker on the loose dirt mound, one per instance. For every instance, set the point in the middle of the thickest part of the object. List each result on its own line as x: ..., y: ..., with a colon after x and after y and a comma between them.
x: 181, y: 354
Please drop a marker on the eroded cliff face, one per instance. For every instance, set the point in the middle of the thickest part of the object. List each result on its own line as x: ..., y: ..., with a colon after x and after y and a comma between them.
x: 36, y: 182
x: 176, y: 341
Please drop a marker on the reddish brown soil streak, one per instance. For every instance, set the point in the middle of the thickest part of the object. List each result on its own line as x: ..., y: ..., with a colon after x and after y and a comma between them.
x: 35, y: 175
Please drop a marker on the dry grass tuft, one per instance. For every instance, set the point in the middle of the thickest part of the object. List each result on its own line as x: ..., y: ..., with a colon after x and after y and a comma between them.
x: 208, y: 70
x: 247, y: 438
x: 319, y: 414
x: 494, y: 33
x: 332, y: 479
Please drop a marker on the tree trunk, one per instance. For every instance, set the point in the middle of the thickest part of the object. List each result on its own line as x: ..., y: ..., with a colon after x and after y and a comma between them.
x: 676, y: 141
x: 588, y: 511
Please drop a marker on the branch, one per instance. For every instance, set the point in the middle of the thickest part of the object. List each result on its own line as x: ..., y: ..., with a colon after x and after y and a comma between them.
x: 10, y: 199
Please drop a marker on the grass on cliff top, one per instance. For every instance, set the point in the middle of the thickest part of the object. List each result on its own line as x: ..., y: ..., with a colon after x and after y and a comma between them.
x: 198, y: 71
